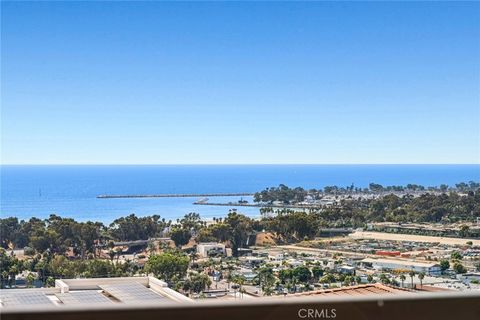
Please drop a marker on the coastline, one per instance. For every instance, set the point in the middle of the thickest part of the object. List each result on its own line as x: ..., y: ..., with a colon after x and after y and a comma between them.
x: 72, y: 190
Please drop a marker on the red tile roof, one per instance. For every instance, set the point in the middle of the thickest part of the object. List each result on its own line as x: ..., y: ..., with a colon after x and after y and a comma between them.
x: 358, y: 290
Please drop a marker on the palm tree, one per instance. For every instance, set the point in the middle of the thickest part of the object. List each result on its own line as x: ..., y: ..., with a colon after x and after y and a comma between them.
x: 193, y: 256
x: 402, y: 278
x: 235, y: 287
x: 240, y: 280
x: 411, y: 274
x: 370, y: 278
x: 421, y: 275
x: 384, y: 279
x: 118, y: 251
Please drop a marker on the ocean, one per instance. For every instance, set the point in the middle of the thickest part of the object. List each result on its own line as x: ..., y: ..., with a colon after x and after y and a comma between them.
x: 70, y: 191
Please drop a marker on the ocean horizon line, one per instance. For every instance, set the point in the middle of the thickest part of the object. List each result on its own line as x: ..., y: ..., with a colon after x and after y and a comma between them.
x: 239, y: 164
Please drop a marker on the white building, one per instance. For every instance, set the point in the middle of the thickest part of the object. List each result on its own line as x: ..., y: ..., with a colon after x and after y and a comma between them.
x: 207, y: 249
x: 276, y: 257
x: 85, y: 293
x: 295, y: 263
x: 429, y: 268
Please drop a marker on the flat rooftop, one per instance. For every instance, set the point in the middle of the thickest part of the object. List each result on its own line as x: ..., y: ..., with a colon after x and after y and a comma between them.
x: 98, y: 292
x: 406, y: 263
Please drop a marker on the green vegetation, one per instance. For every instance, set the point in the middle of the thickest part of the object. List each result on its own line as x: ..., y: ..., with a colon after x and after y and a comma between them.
x: 403, y: 278
x: 459, y: 268
x: 180, y: 236
x: 286, y: 195
x: 266, y: 280
x: 444, y: 265
x: 57, y: 234
x: 64, y: 248
x: 135, y: 228
x: 355, y: 211
x: 168, y: 266
x: 281, y: 194
x: 456, y: 255
x: 50, y: 267
x: 196, y: 282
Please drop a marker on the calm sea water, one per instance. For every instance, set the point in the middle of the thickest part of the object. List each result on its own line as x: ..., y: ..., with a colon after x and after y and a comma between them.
x: 71, y: 191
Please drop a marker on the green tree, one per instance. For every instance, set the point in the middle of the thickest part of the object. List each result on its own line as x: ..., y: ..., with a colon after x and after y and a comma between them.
x: 411, y: 274
x: 192, y: 222
x: 240, y: 228
x: 464, y: 231
x: 50, y: 282
x: 134, y: 228
x: 327, y: 278
x: 10, y: 233
x: 302, y: 273
x: 421, y: 276
x: 266, y: 279
x: 347, y: 281
x: 285, y: 275
x: 30, y: 279
x: 459, y: 268
x: 220, y: 231
x: 101, y: 269
x: 384, y: 279
x: 456, y: 255
x: 198, y: 282
x: 180, y: 236
x: 167, y: 266
x: 317, y: 272
x: 444, y: 265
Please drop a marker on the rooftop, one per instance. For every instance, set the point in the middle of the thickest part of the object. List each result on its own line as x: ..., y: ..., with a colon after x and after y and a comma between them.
x: 358, y: 290
x: 406, y: 263
x: 97, y: 291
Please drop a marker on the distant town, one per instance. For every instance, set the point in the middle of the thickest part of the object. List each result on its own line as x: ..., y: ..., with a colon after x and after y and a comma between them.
x: 338, y: 240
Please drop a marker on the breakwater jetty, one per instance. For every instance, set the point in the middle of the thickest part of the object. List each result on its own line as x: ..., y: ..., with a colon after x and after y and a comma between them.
x: 179, y: 195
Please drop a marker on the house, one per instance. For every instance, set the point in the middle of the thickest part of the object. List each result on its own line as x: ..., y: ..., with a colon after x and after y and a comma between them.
x: 276, y: 257
x: 346, y: 269
x: 252, y: 262
x: 244, y: 252
x: 295, y: 263
x: 208, y: 249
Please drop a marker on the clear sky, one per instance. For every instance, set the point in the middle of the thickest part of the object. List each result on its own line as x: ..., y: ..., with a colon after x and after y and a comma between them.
x: 227, y: 82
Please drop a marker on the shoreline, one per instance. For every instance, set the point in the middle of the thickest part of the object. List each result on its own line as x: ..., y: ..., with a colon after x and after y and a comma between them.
x: 255, y: 205
x: 180, y: 195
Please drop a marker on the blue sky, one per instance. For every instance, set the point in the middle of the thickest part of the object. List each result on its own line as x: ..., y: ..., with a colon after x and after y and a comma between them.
x: 229, y: 82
